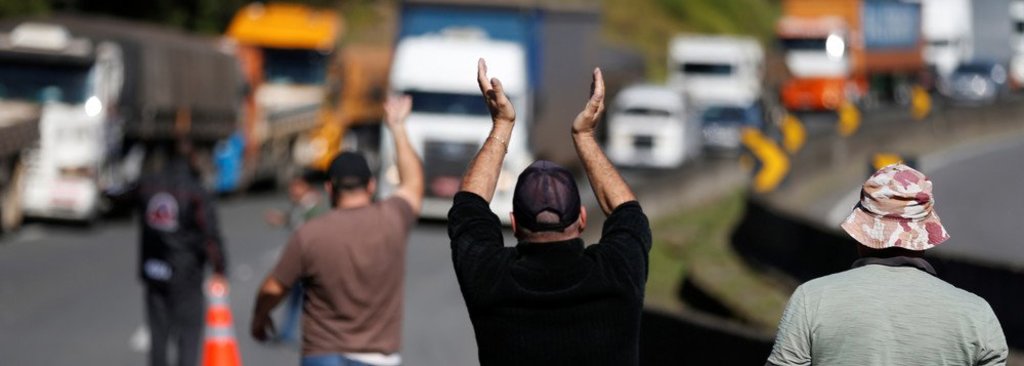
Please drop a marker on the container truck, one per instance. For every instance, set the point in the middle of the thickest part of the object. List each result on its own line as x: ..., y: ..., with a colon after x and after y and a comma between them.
x: 107, y: 90
x: 19, y: 131
x: 860, y: 51
x: 546, y: 49
x: 284, y: 51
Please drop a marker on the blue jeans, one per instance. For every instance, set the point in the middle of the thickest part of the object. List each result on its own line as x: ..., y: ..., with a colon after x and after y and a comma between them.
x: 330, y: 360
x: 293, y: 313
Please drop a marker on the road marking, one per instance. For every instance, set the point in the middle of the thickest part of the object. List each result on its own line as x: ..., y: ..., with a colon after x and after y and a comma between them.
x: 139, y: 341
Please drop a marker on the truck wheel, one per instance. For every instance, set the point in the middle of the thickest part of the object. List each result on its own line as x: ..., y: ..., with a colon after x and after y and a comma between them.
x: 11, y: 215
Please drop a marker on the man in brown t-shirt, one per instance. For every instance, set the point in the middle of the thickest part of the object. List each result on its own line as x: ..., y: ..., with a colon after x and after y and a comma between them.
x: 351, y: 261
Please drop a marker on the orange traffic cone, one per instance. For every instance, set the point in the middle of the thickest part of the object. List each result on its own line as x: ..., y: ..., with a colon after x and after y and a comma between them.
x: 220, y: 348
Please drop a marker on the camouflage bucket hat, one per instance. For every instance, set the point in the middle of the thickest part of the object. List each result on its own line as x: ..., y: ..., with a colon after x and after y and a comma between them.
x: 895, y: 210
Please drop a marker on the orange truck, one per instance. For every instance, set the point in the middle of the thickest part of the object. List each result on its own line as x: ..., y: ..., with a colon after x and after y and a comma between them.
x: 864, y: 52
x: 285, y: 51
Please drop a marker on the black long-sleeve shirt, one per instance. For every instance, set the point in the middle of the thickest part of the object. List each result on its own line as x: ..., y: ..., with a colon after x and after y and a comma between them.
x: 179, y: 228
x: 551, y: 303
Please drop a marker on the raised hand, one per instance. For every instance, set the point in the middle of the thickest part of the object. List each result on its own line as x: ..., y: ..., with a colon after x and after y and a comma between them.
x: 501, y: 108
x: 396, y: 110
x: 586, y: 121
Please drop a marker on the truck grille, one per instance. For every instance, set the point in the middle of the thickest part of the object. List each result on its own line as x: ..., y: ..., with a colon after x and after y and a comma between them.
x: 444, y: 163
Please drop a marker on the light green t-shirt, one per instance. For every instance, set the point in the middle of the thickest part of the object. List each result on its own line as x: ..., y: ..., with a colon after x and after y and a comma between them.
x: 886, y: 315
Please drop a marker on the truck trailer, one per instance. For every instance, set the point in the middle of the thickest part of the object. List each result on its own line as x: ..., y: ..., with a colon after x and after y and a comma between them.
x: 864, y: 52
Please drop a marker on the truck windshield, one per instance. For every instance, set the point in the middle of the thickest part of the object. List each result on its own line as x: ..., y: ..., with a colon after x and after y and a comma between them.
x: 448, y: 103
x: 283, y: 66
x: 641, y: 111
x: 707, y: 69
x: 44, y: 82
x: 729, y: 114
x: 803, y: 44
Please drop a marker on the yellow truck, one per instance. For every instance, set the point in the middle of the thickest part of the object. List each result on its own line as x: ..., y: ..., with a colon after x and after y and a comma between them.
x: 284, y: 51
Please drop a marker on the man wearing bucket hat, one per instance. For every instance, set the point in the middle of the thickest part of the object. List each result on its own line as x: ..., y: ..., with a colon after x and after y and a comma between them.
x: 890, y: 308
x: 550, y: 300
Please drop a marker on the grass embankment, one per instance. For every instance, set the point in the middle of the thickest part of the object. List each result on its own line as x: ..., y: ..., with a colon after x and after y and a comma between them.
x: 695, y: 242
x: 648, y: 25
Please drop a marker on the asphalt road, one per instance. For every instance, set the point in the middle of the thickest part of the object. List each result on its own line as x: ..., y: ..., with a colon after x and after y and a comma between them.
x: 69, y: 296
x: 980, y: 202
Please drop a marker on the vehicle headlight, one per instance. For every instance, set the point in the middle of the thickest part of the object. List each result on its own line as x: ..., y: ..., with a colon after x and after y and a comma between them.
x: 835, y: 47
x: 93, y: 106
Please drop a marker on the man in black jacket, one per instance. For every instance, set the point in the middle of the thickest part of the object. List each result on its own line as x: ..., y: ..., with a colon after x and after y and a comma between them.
x: 179, y: 235
x: 550, y: 300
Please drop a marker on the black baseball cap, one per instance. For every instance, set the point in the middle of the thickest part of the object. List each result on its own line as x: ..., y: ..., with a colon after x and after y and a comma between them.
x: 545, y: 186
x: 349, y: 170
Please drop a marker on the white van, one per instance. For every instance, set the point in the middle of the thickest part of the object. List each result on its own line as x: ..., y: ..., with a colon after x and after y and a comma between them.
x: 450, y: 120
x: 714, y: 68
x: 651, y: 126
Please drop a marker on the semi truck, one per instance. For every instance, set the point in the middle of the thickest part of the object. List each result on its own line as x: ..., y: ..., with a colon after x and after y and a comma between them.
x: 543, y: 52
x: 865, y: 52
x: 712, y: 69
x: 108, y: 90
x: 19, y: 131
x: 284, y: 51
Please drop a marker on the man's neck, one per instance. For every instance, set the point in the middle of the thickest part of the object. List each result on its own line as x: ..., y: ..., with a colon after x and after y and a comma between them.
x: 353, y: 201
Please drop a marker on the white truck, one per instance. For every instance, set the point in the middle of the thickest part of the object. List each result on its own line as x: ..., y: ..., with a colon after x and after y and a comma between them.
x: 1017, y: 43
x: 107, y: 89
x: 946, y: 27
x: 69, y: 79
x: 651, y: 126
x: 716, y: 68
x: 449, y: 119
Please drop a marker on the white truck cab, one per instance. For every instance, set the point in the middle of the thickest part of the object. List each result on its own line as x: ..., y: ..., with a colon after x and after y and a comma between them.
x: 946, y: 27
x: 715, y: 67
x: 74, y: 81
x: 450, y: 120
x: 651, y: 126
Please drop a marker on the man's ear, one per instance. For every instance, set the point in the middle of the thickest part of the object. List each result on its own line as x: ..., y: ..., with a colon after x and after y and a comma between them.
x: 371, y: 186
x: 583, y: 218
x: 512, y: 219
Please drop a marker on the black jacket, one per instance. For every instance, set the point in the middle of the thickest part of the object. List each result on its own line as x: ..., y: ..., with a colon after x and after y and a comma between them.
x: 179, y: 230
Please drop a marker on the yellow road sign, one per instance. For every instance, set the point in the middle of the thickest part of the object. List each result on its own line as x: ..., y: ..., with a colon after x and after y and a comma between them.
x: 793, y: 133
x: 882, y: 160
x: 920, y: 103
x: 849, y: 119
x: 774, y: 162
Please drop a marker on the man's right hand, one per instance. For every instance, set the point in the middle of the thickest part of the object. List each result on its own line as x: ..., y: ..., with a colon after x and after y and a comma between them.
x: 262, y: 328
x: 586, y: 121
x: 501, y: 108
x: 396, y: 110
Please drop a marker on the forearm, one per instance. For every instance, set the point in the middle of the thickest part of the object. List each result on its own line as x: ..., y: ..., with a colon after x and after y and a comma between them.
x: 271, y: 294
x: 482, y: 174
x: 609, y: 187
x: 410, y: 169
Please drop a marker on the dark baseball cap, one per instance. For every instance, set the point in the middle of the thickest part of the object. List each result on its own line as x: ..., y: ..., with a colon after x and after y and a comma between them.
x: 349, y: 170
x: 545, y: 187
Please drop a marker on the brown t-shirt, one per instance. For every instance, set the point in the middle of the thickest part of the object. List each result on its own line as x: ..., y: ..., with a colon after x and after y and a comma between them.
x: 352, y: 264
